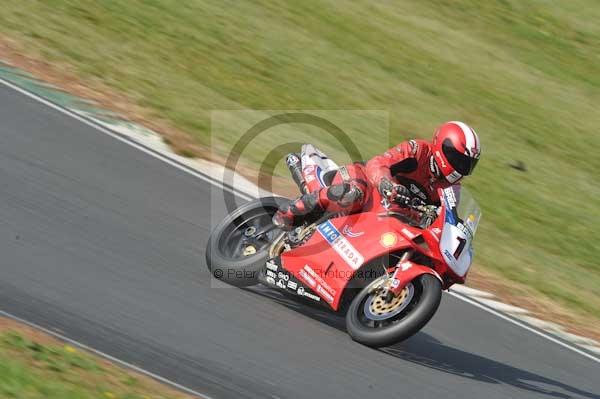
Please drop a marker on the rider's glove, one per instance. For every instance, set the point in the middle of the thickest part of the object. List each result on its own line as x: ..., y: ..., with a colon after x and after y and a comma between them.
x: 393, y: 192
x: 386, y: 188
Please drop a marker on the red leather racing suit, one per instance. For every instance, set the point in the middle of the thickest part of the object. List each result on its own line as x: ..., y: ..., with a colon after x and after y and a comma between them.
x: 409, y: 163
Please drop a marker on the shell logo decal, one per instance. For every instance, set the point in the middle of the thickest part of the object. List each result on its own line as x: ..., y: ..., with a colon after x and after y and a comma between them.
x: 388, y: 240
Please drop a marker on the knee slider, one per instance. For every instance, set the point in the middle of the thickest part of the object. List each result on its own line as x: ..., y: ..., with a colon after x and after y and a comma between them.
x: 337, y: 191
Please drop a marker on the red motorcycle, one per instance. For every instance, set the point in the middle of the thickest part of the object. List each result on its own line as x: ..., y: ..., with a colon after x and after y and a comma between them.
x: 385, y: 267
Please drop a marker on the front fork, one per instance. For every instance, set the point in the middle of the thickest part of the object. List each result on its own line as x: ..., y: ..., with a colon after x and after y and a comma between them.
x: 392, y: 281
x: 405, y: 272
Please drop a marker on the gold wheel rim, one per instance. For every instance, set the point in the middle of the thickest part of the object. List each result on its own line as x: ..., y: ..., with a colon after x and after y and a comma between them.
x: 379, y: 305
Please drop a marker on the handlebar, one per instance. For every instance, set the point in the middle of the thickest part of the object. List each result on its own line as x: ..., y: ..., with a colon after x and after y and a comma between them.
x: 427, y: 213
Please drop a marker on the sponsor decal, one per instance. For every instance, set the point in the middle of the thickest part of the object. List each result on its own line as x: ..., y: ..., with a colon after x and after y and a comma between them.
x: 436, y: 233
x: 404, y: 266
x: 325, y: 294
x: 347, y: 232
x: 470, y: 222
x: 307, y: 278
x: 302, y: 292
x: 450, y: 198
x: 281, y: 283
x: 272, y: 266
x: 408, y: 233
x: 451, y: 259
x: 283, y: 276
x: 341, y: 245
x: 292, y: 285
x: 466, y: 230
x: 271, y: 274
x: 309, y: 169
x: 318, y: 278
x: 395, y: 283
x: 270, y: 280
x: 309, y: 178
x: 388, y: 240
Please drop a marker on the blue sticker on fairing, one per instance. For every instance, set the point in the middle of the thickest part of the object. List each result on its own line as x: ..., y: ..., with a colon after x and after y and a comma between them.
x: 329, y: 231
x: 450, y: 217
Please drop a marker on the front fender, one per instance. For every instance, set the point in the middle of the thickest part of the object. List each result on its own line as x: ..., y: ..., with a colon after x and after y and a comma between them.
x: 406, y: 272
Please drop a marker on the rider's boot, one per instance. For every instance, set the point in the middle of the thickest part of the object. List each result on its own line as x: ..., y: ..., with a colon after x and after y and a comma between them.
x: 297, y: 211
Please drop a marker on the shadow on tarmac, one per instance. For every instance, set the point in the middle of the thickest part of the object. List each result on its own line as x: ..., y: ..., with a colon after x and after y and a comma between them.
x: 425, y: 350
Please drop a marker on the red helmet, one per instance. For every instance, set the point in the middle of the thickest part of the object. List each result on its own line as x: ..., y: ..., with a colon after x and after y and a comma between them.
x: 456, y: 150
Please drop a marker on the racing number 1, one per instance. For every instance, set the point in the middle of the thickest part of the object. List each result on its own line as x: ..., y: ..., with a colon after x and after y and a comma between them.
x: 461, y: 246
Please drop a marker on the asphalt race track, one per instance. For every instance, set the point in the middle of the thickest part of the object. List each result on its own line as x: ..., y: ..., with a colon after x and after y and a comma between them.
x: 105, y: 244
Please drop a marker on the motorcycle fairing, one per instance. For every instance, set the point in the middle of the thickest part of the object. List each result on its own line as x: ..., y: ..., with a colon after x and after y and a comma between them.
x: 277, y: 276
x: 339, y: 248
x: 406, y: 272
x: 457, y: 236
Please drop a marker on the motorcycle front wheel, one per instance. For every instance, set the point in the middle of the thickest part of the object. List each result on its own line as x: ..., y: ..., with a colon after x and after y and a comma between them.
x: 376, y: 321
x: 238, y: 247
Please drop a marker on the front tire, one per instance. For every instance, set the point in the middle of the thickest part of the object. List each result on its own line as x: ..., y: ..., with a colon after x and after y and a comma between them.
x: 233, y: 254
x: 376, y: 323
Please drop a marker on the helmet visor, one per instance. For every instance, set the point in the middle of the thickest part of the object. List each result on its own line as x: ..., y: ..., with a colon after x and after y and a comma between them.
x: 462, y: 163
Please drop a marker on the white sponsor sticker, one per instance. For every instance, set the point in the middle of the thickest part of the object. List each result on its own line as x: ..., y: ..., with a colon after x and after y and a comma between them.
x: 405, y: 266
x: 302, y: 292
x: 272, y: 266
x: 270, y: 280
x: 341, y: 245
x: 325, y: 294
x: 271, y: 274
x: 346, y: 230
x: 307, y: 278
x: 450, y: 197
x: 318, y: 278
x: 283, y: 276
x: 292, y: 285
x: 408, y: 233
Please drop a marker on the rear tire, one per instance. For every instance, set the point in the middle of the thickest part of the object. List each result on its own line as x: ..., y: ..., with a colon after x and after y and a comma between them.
x: 229, y: 257
x: 424, y: 302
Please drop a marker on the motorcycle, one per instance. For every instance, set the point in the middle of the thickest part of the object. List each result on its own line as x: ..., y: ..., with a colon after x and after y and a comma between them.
x: 385, y: 267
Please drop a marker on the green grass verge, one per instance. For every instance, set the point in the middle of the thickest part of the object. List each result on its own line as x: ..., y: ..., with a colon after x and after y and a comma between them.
x: 524, y: 73
x: 29, y: 369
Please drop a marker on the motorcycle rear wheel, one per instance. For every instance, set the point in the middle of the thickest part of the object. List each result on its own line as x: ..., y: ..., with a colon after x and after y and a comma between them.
x: 236, y: 252
x: 375, y: 323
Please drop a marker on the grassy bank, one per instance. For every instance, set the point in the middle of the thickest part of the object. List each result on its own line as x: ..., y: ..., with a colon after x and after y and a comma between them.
x: 525, y: 74
x: 33, y: 365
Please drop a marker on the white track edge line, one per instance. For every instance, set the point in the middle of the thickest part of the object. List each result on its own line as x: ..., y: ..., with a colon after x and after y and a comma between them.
x: 525, y: 326
x: 245, y: 196
x: 106, y: 356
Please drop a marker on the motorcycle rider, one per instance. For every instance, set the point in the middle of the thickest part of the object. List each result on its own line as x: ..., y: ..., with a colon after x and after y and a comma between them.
x: 415, y: 168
